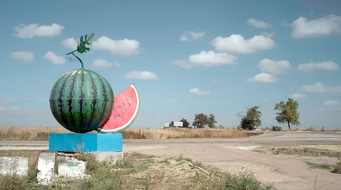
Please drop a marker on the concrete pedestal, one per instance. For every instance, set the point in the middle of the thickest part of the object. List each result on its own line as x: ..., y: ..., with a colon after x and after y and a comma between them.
x: 78, y: 142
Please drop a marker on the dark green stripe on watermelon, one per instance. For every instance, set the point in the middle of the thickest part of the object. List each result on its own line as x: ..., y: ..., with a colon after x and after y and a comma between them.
x: 104, y: 104
x: 81, y: 100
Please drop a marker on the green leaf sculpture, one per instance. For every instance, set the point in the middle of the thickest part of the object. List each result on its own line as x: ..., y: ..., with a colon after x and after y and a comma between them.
x: 82, y: 46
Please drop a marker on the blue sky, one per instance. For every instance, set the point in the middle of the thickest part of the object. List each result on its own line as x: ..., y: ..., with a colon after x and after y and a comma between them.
x: 185, y: 57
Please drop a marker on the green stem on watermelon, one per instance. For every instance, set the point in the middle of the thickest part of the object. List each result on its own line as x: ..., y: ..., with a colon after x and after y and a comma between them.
x: 71, y: 52
x: 76, y: 57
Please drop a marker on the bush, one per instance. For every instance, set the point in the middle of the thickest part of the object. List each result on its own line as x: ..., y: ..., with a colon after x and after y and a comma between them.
x: 12, y: 182
x: 276, y: 128
x: 252, y: 119
x: 337, y: 167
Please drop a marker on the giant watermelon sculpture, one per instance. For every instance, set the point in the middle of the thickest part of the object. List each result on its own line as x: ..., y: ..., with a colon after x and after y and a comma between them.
x: 82, y: 100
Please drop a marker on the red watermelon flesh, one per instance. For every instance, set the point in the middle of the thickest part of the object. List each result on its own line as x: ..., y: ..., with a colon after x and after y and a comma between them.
x: 125, y: 109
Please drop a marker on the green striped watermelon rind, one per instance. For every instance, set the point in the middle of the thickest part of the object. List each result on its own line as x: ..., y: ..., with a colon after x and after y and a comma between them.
x: 75, y: 104
x: 132, y: 119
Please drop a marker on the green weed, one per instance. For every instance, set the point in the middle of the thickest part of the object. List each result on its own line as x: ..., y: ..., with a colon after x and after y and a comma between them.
x: 337, y: 167
x: 324, y: 166
x: 298, y: 151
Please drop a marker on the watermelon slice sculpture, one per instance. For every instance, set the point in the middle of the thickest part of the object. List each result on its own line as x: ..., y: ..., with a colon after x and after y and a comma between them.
x: 124, y: 111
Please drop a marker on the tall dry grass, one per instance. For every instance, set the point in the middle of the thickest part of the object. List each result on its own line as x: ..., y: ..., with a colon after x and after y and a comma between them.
x: 42, y: 133
x: 173, y: 133
x: 27, y: 133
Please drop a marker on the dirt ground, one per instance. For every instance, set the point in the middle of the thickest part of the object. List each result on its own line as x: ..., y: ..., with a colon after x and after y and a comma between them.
x: 236, y: 156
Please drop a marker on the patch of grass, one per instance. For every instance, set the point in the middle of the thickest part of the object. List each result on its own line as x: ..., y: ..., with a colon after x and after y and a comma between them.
x: 337, y: 167
x: 166, y: 161
x: 12, y: 182
x: 298, y: 151
x: 197, y: 164
x: 324, y: 166
x: 229, y: 182
x: 92, y: 164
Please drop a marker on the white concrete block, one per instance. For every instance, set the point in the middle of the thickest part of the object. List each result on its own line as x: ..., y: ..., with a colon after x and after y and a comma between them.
x: 72, y: 168
x: 109, y: 157
x: 13, y: 165
x: 45, y: 167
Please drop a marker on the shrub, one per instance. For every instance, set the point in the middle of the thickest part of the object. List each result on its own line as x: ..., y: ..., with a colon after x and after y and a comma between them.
x: 276, y: 128
x: 337, y: 167
x: 12, y: 182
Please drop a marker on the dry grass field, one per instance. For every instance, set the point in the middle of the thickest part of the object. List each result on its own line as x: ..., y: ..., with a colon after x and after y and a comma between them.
x: 42, y: 133
x: 172, y: 133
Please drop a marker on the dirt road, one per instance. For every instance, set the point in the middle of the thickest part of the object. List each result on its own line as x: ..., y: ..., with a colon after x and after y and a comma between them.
x: 235, y: 156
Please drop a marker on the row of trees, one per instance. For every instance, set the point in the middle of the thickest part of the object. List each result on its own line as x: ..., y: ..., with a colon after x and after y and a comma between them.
x: 287, y: 113
x: 200, y: 121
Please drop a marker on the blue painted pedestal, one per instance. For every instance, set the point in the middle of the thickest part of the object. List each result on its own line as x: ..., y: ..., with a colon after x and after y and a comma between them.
x: 78, y: 142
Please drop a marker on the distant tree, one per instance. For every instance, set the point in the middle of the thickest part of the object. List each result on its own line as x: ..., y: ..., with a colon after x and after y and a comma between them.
x: 185, y: 123
x: 288, y: 112
x: 211, y: 121
x: 200, y: 121
x: 252, y: 119
x: 171, y: 124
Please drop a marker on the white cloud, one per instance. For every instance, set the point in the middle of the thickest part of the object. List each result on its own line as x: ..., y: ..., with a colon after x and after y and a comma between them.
x: 182, y: 63
x: 331, y: 103
x: 318, y: 87
x: 327, y: 25
x: 211, y: 59
x: 3, y: 105
x: 23, y: 56
x: 54, y: 58
x: 325, y: 65
x: 263, y: 78
x: 15, y: 108
x: 197, y: 91
x: 297, y: 96
x: 266, y: 100
x: 142, y: 75
x: 258, y: 23
x: 33, y: 30
x: 206, y: 59
x: 104, y: 63
x: 123, y: 47
x: 70, y: 43
x: 188, y: 36
x: 274, y: 67
x: 237, y: 44
x: 214, y: 81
